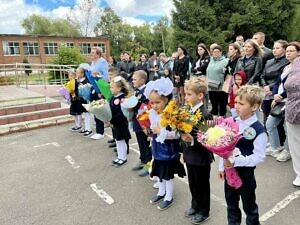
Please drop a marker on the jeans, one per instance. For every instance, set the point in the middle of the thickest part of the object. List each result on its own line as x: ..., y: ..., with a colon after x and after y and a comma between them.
x: 271, y: 126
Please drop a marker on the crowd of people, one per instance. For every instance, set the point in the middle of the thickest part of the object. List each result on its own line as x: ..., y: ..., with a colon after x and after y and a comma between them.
x: 251, y: 78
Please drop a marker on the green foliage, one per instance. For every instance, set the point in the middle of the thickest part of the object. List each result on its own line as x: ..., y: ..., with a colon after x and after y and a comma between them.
x: 28, y: 70
x: 221, y: 21
x: 66, y: 56
x: 40, y: 25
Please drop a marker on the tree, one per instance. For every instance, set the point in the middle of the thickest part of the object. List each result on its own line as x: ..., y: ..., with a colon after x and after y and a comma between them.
x: 85, y: 16
x: 40, y: 25
x: 221, y: 21
x: 66, y: 56
x: 27, y: 67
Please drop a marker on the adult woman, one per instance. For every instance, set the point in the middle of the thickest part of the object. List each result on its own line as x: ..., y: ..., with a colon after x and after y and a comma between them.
x: 251, y: 63
x: 278, y: 95
x: 143, y: 63
x: 180, y: 70
x: 200, y: 64
x: 292, y: 111
x: 234, y: 53
x: 215, y: 76
x: 272, y: 71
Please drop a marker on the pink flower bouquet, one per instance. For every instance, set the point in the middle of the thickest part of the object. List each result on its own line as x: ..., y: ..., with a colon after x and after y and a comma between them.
x: 220, y: 137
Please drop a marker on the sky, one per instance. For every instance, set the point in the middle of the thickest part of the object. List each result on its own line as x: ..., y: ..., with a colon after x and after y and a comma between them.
x: 134, y: 12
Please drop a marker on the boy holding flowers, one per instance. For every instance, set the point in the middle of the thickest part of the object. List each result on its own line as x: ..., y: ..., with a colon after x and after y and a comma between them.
x: 249, y: 151
x: 197, y: 158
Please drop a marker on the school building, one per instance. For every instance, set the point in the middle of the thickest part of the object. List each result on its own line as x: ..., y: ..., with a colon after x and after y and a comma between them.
x: 40, y: 48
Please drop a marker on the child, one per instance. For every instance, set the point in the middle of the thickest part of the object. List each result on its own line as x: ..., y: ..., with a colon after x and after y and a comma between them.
x: 240, y: 78
x: 120, y: 89
x: 82, y: 80
x: 139, y: 79
x: 76, y: 108
x: 165, y: 143
x: 196, y: 157
x: 250, y: 151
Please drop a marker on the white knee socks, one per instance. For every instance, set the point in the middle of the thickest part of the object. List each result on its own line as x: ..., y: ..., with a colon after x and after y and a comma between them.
x: 121, y: 149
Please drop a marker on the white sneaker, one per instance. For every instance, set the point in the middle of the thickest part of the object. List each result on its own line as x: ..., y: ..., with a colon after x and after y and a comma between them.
x: 283, y: 156
x: 296, y: 182
x: 97, y: 136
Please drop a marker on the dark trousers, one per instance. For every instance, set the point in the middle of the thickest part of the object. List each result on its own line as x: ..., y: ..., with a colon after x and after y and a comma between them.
x: 247, y: 194
x: 199, y: 184
x: 144, y: 147
x: 99, y: 126
x: 266, y: 108
x: 219, y: 101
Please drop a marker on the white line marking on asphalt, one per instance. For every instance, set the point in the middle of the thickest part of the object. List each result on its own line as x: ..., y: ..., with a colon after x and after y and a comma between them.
x: 134, y: 144
x: 213, y: 197
x: 55, y: 144
x: 102, y: 194
x: 280, y: 205
x: 72, y: 161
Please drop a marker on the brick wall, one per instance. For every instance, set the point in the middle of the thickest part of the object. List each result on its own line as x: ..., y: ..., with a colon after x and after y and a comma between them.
x: 42, y: 57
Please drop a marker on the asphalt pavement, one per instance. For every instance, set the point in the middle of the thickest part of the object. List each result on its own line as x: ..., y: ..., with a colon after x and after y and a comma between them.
x: 52, y: 176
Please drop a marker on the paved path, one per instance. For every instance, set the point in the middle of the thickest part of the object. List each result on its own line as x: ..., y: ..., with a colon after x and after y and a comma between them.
x: 53, y: 176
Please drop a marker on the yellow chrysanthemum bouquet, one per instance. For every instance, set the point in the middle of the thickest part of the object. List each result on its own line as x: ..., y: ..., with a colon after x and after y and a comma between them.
x: 179, y: 118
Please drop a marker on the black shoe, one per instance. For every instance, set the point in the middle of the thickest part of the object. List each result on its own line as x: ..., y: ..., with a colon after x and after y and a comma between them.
x: 138, y: 166
x: 115, y: 149
x: 83, y: 131
x: 143, y: 173
x: 165, y: 204
x: 120, y: 163
x: 87, y: 133
x: 111, y: 141
x: 115, y: 161
x: 76, y: 129
x: 190, y: 212
x: 156, y: 199
x: 198, y: 218
x: 112, y: 145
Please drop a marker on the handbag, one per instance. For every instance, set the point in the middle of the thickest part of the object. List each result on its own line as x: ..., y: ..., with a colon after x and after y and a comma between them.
x: 278, y: 110
x: 213, y: 83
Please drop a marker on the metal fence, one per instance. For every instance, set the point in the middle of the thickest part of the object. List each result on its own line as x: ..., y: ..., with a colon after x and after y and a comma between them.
x: 17, y: 71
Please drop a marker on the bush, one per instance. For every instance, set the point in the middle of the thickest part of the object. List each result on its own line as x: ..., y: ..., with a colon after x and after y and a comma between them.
x: 66, y: 56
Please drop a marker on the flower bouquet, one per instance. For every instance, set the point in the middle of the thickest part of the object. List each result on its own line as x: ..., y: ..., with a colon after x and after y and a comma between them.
x: 220, y: 137
x: 65, y: 93
x: 143, y: 116
x: 179, y: 118
x: 127, y: 106
x: 84, y: 91
x: 100, y: 109
x: 104, y: 89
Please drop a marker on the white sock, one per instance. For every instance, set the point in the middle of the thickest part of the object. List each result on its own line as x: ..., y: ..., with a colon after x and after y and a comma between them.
x: 162, y: 188
x: 78, y: 120
x: 87, y: 121
x: 169, y: 190
x: 121, y: 149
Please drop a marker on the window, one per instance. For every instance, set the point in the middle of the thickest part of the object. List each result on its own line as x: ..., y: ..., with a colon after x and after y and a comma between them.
x: 11, y: 48
x: 31, y: 48
x: 51, y: 48
x: 85, y: 48
x: 68, y: 44
x: 101, y: 45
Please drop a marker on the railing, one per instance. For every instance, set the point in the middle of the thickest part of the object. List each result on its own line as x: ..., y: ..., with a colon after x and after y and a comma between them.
x: 17, y: 71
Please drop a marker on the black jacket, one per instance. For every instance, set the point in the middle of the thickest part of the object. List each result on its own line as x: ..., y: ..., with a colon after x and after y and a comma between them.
x: 272, y: 71
x: 197, y: 154
x: 127, y: 67
x: 253, y: 68
x: 201, y: 69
